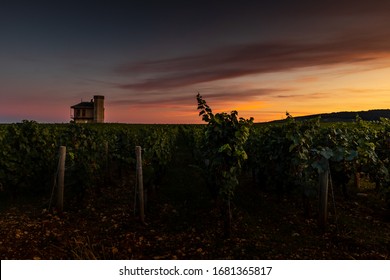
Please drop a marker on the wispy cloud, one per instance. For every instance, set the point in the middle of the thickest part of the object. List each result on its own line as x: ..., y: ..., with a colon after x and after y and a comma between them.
x: 257, y: 58
x: 306, y: 97
x: 219, y: 96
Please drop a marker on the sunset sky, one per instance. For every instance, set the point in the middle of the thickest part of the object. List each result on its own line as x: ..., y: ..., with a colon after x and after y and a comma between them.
x: 150, y: 58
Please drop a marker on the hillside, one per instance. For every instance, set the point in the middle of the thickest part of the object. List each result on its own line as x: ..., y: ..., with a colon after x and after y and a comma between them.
x: 370, y: 115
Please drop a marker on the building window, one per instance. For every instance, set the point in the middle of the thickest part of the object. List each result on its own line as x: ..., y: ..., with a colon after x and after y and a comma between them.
x: 77, y: 113
x: 83, y: 112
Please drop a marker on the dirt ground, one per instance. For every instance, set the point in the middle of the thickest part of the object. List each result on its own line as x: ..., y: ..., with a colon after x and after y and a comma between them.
x: 183, y: 223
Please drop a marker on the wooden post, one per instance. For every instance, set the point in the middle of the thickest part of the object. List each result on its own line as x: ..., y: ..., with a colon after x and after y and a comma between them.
x: 106, y: 153
x: 323, y: 197
x: 357, y: 176
x: 140, y: 184
x: 357, y: 180
x: 60, y: 179
x: 107, y: 175
x: 228, y: 219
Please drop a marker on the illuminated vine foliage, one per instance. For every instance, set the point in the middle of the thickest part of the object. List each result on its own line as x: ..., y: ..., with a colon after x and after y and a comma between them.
x: 224, y: 139
x: 29, y: 154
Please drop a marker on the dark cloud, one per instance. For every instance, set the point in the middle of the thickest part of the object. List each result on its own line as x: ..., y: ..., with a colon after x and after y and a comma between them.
x: 217, y: 96
x: 257, y: 58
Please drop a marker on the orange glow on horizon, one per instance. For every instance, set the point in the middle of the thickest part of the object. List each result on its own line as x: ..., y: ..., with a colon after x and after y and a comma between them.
x: 265, y: 97
x: 310, y: 59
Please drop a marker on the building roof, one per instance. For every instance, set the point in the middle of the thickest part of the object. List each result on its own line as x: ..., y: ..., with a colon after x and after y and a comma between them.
x: 83, y: 105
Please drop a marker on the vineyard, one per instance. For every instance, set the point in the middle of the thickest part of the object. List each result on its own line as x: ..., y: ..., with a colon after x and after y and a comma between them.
x: 226, y: 189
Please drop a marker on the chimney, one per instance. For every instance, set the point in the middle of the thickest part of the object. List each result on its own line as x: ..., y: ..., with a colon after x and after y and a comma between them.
x: 98, y: 109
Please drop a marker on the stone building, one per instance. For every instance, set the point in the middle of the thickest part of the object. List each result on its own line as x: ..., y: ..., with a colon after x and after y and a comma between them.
x: 89, y: 112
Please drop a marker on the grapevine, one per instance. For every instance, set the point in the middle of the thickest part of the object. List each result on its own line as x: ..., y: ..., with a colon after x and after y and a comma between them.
x: 224, y: 139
